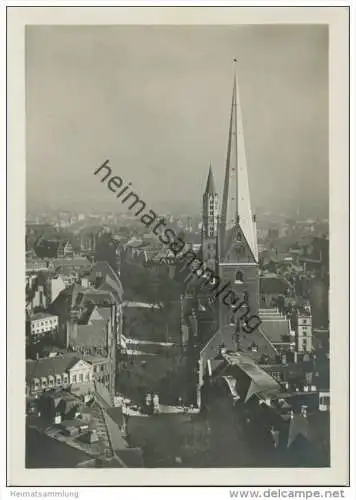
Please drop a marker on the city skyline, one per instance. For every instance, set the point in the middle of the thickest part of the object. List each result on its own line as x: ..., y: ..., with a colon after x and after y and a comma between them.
x: 78, y: 115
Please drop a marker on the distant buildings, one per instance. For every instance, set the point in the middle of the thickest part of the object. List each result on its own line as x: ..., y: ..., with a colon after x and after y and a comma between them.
x: 315, y: 255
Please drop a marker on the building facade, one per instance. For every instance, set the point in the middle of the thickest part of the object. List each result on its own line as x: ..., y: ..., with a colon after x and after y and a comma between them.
x: 65, y: 371
x: 40, y: 325
x: 303, y: 332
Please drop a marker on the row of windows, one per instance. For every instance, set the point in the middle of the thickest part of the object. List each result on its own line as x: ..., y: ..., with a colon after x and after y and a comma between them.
x: 51, y: 381
x: 40, y: 330
x: 47, y: 322
x: 97, y: 368
x: 60, y: 380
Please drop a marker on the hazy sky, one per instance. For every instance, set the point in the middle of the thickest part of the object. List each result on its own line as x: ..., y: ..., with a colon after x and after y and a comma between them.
x: 155, y: 101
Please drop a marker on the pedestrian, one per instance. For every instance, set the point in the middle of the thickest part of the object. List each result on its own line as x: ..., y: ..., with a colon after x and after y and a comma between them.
x: 156, y: 407
x: 148, y: 402
x: 275, y: 436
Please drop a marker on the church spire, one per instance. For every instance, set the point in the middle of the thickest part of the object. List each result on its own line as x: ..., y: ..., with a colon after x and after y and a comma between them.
x: 209, y: 229
x: 236, y: 206
x: 210, y: 185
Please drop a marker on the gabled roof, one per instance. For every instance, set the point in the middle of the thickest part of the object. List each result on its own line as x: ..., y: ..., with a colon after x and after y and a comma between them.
x: 92, y: 335
x: 79, y: 364
x: 50, y: 366
x: 261, y: 381
x: 236, y: 248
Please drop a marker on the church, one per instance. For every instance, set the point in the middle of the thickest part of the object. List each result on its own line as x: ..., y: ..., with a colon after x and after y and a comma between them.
x: 212, y: 325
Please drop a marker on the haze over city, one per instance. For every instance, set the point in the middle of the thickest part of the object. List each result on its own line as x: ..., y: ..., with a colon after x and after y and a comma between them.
x: 169, y: 321
x: 155, y: 101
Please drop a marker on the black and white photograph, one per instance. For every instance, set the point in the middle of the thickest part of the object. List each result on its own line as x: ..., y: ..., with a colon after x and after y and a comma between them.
x: 178, y: 271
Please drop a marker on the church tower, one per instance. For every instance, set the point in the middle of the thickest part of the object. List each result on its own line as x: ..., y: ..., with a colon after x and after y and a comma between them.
x: 210, y: 220
x: 238, y: 254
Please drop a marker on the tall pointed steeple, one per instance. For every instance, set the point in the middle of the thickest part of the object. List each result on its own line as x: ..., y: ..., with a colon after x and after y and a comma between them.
x: 236, y: 205
x: 210, y: 185
x: 210, y: 216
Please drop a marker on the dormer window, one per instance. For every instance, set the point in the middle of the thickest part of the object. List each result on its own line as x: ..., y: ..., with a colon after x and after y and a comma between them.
x: 239, y: 277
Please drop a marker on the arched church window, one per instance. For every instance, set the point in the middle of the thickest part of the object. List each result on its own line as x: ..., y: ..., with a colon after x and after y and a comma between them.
x: 239, y: 276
